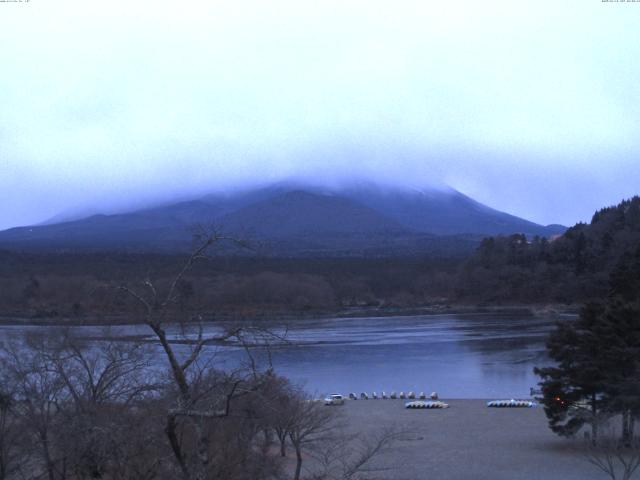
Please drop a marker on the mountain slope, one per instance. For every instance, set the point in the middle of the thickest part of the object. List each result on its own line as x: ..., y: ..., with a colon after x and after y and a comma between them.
x: 445, y: 212
x: 299, y: 213
x: 293, y: 219
x: 164, y: 227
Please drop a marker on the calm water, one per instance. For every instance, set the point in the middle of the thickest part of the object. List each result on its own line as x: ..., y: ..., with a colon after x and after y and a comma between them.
x: 470, y: 356
x: 457, y: 356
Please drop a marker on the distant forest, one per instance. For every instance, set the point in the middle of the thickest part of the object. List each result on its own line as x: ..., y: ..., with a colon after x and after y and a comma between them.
x: 571, y: 268
x: 504, y: 270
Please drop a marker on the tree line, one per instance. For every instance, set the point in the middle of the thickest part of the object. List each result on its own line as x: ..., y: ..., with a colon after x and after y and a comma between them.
x: 569, y: 269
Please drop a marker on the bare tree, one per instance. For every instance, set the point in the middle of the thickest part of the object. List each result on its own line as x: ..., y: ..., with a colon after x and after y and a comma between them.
x: 317, y: 432
x: 104, y: 373
x: 280, y: 400
x: 352, y: 456
x: 311, y: 422
x: 76, y: 403
x: 617, y: 459
x: 103, y: 380
x: 97, y: 409
x: 198, y: 399
x: 39, y: 396
x: 12, y: 455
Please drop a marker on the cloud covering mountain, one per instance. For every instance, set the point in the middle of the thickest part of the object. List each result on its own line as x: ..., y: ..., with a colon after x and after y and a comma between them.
x: 527, y: 108
x: 293, y: 219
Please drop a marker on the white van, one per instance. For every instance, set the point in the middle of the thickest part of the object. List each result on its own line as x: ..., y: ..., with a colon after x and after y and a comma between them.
x: 334, y: 399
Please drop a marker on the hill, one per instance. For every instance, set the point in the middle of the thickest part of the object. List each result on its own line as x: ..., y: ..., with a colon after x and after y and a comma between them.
x: 573, y: 266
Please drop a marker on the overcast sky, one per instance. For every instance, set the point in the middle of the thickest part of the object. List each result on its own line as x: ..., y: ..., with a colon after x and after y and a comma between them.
x: 532, y: 107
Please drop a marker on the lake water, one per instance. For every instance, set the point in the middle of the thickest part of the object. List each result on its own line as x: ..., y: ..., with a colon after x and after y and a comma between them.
x: 474, y: 356
x: 459, y: 356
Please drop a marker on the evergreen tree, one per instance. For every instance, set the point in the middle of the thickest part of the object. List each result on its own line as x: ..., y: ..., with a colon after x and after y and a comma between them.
x: 597, y: 371
x: 620, y: 332
x: 573, y: 390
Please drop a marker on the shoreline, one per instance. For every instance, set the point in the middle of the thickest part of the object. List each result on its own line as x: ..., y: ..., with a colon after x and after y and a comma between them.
x: 360, y: 312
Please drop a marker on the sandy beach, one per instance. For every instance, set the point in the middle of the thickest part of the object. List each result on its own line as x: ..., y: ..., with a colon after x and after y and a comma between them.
x: 469, y: 441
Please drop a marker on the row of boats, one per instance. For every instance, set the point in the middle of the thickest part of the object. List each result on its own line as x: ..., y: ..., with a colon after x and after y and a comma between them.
x: 337, y: 399
x: 393, y: 396
x: 429, y: 404
x: 512, y: 403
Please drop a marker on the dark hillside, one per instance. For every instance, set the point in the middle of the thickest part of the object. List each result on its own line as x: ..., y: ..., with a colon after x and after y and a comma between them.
x: 574, y: 266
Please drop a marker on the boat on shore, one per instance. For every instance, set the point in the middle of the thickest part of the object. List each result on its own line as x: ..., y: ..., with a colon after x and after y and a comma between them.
x: 427, y: 404
x: 512, y: 403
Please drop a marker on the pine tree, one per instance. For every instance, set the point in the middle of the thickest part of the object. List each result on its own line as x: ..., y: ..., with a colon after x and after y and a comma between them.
x: 573, y: 390
x: 597, y: 371
x: 620, y: 332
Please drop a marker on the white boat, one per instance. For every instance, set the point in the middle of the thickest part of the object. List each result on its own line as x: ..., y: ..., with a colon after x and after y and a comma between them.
x: 429, y: 404
x: 511, y: 403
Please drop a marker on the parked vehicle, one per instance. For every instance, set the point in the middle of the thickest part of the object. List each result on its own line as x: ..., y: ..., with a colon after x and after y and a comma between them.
x: 334, y: 399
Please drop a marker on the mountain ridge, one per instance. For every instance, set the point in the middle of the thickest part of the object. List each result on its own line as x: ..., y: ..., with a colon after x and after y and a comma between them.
x: 291, y: 218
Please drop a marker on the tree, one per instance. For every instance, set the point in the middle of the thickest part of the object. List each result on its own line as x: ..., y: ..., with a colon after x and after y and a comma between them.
x: 281, y: 399
x: 89, y: 410
x: 613, y: 459
x: 12, y: 456
x: 103, y: 383
x: 573, y: 389
x: 597, y: 372
x: 310, y: 422
x: 86, y: 409
x: 202, y: 394
x: 39, y: 396
x: 350, y: 456
x: 619, y: 330
x: 73, y: 406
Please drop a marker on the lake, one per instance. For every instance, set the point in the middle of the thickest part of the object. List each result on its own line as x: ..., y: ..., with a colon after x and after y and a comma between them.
x: 470, y: 356
x: 458, y: 356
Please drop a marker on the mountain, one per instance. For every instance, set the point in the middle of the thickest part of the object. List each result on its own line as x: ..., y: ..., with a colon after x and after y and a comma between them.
x: 445, y: 212
x: 313, y: 214
x: 293, y: 219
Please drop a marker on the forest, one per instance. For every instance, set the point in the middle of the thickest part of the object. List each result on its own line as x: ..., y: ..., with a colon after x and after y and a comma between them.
x: 503, y: 271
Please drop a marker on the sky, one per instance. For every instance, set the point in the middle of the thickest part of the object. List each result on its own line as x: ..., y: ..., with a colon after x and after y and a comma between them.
x: 531, y: 107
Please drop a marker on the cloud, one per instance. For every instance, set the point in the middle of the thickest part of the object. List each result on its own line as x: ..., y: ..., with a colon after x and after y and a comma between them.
x: 114, y: 104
